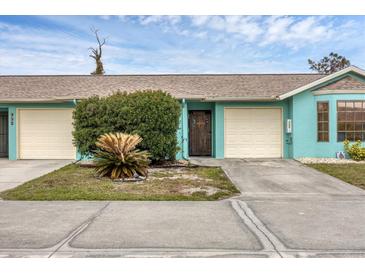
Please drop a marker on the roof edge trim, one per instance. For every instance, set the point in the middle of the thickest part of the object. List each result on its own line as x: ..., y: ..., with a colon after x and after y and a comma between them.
x: 322, y: 80
x: 27, y: 100
x: 240, y: 99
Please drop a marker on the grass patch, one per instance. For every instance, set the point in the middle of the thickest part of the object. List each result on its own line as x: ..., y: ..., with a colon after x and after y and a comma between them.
x: 77, y: 183
x: 351, y: 173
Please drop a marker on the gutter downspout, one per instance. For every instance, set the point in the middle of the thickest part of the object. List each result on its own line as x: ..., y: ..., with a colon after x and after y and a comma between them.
x: 78, y: 156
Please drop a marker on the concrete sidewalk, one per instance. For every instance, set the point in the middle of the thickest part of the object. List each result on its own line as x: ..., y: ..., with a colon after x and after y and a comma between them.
x: 309, y: 215
x: 230, y: 228
x: 109, y: 229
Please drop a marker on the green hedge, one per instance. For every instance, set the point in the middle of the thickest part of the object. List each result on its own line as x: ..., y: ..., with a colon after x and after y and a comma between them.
x: 154, y: 115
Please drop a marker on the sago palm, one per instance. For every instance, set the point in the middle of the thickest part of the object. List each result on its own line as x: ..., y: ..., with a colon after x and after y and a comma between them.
x: 117, y: 156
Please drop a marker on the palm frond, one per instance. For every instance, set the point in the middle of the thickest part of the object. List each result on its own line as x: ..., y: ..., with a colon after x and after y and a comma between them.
x: 117, y: 156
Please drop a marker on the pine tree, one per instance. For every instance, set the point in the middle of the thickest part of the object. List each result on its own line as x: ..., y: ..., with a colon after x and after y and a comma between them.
x: 329, y: 64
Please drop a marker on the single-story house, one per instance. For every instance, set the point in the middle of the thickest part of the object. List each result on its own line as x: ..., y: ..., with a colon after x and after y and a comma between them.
x: 223, y: 116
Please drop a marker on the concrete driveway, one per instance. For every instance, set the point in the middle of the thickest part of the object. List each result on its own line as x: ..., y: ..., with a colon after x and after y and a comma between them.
x: 14, y: 173
x: 285, y: 210
x: 280, y: 178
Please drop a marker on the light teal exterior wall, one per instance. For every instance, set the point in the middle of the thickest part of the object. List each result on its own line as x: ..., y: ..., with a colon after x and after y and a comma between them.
x: 305, y: 121
x: 289, y: 136
x: 305, y: 125
x: 217, y: 109
x: 182, y: 137
x: 12, y: 117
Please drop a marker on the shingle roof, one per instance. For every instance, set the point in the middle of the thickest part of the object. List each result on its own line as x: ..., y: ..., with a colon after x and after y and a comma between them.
x: 182, y: 86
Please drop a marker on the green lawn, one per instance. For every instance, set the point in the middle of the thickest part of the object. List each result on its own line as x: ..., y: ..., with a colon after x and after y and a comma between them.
x: 78, y: 183
x: 351, y: 173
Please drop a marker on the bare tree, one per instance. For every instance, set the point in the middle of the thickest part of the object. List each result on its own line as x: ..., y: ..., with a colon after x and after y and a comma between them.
x: 97, y: 52
x: 329, y: 64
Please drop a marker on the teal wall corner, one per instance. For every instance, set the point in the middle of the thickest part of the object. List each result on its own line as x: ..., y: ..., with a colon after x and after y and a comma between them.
x: 289, y: 136
x: 182, y: 133
x: 305, y: 142
x: 13, y: 154
x: 218, y: 131
x: 78, y: 156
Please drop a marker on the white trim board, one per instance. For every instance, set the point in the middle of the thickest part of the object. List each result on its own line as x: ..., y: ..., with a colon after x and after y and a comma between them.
x: 321, y: 81
x: 339, y: 91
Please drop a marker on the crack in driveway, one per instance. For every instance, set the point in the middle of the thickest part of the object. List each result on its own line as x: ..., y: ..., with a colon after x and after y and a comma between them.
x: 78, y: 230
x: 268, y: 240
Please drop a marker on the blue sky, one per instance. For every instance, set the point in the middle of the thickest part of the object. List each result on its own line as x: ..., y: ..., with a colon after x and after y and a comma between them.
x: 177, y: 44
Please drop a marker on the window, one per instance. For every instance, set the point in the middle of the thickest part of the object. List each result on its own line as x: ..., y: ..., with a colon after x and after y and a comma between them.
x: 322, y: 122
x: 350, y: 120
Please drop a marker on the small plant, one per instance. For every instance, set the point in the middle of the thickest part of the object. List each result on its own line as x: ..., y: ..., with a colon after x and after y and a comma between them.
x: 117, y: 156
x: 355, y: 151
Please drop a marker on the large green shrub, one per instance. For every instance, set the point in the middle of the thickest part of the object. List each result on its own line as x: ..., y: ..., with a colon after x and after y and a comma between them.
x: 153, y: 115
x: 355, y: 151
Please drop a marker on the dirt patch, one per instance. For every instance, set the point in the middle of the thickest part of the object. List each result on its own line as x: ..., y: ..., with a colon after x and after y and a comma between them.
x: 208, y: 190
x: 172, y: 174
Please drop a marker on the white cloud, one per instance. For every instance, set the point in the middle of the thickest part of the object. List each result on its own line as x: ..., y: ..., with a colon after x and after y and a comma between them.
x: 201, y: 35
x: 122, y: 18
x: 152, y: 19
x: 276, y: 28
x: 105, y: 17
x: 200, y: 20
x: 26, y: 50
x: 20, y: 61
x: 289, y: 31
x: 247, y: 26
x: 297, y: 33
x: 8, y: 27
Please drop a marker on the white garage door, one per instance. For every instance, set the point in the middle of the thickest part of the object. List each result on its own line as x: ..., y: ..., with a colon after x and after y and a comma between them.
x: 252, y: 133
x: 45, y: 134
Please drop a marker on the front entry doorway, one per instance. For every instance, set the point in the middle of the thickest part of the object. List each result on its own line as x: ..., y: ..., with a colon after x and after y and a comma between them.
x: 200, y: 133
x: 4, y: 134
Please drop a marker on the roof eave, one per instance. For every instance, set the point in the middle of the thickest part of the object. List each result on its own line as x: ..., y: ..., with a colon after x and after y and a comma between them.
x: 41, y: 100
x: 240, y: 99
x: 187, y: 97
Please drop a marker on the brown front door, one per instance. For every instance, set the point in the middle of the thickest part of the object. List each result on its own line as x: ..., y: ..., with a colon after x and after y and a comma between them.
x: 200, y: 140
x: 3, y: 134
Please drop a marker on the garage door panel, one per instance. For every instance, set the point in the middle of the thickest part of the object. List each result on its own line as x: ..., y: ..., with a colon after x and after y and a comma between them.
x: 54, y: 127
x: 253, y: 133
x: 260, y: 140
x: 46, y: 134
